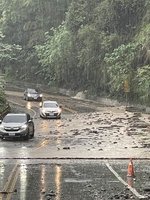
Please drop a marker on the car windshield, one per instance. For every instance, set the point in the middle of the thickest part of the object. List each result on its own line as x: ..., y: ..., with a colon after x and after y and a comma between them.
x: 50, y: 105
x: 14, y: 119
x: 32, y: 91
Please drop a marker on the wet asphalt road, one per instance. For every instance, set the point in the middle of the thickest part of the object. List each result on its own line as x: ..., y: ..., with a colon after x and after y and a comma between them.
x: 75, y: 180
x: 34, y: 173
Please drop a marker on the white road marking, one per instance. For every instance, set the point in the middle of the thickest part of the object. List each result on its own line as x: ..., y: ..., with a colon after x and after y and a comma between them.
x: 133, y: 190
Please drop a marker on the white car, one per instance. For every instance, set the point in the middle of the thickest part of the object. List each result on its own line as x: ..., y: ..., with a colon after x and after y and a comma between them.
x: 50, y: 109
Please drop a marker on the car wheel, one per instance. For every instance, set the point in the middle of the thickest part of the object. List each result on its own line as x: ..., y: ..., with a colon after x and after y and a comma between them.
x: 41, y: 116
x: 32, y: 135
x: 59, y: 117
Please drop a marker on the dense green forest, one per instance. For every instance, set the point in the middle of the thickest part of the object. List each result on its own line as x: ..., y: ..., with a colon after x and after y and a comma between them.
x: 101, y: 46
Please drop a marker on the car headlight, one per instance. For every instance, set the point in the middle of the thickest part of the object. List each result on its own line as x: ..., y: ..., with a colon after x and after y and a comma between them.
x: 43, y: 110
x: 59, y: 110
x: 29, y: 95
x: 24, y: 126
x: 41, y: 95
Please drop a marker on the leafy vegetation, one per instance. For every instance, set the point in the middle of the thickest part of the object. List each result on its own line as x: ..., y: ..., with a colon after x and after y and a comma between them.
x: 143, y: 80
x: 120, y: 67
x: 3, y: 102
x: 93, y: 45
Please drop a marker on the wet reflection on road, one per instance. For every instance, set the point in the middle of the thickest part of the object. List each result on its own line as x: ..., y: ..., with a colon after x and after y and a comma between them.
x: 51, y: 131
x: 23, y: 181
x: 29, y: 105
x: 43, y: 181
x: 86, y: 181
x: 2, y: 169
x: 65, y: 180
x: 58, y: 181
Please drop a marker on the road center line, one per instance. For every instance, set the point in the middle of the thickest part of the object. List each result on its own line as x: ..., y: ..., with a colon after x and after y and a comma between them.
x: 133, y: 190
x: 10, y: 184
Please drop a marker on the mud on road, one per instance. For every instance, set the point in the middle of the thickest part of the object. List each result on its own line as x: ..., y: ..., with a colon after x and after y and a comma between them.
x: 89, y: 130
x: 84, y: 155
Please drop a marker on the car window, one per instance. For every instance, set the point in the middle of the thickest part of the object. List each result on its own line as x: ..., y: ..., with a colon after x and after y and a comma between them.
x: 32, y: 91
x: 15, y: 119
x: 50, y: 105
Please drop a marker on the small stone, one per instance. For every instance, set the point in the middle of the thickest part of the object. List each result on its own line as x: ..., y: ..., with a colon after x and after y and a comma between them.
x: 114, y: 142
x: 66, y: 148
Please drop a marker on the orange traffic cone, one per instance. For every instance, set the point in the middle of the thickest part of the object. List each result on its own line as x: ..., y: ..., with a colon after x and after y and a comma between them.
x: 130, y: 169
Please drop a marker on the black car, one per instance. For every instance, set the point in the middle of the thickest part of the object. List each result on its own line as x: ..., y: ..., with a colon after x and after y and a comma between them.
x: 32, y: 94
x: 17, y: 125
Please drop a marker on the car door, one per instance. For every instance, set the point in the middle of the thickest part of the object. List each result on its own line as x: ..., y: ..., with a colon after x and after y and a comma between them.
x: 25, y: 94
x: 30, y: 124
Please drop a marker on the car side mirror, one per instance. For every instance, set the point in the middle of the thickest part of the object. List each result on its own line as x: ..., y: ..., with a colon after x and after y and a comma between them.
x: 30, y: 120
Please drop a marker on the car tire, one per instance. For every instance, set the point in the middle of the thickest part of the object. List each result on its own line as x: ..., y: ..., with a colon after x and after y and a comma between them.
x: 41, y: 117
x: 59, y: 117
x: 32, y: 135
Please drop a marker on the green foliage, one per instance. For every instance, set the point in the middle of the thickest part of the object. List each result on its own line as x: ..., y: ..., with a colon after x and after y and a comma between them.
x: 143, y: 86
x: 105, y: 17
x: 129, y: 14
x: 2, y: 94
x: 79, y: 14
x: 8, y: 53
x: 143, y: 35
x: 119, y: 67
x: 92, y: 45
x: 25, y: 23
x: 55, y: 56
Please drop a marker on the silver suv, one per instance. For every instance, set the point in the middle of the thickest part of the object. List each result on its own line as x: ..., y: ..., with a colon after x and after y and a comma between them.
x: 17, y: 125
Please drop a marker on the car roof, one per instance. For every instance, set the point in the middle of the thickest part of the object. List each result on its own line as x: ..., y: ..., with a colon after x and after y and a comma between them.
x: 31, y: 89
x: 47, y: 101
x: 16, y: 114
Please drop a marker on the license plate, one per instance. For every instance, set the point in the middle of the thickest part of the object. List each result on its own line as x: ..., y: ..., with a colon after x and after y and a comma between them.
x: 11, y: 134
x: 51, y: 114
